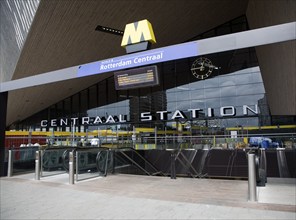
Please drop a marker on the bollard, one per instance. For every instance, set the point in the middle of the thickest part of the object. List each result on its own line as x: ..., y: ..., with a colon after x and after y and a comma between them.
x: 252, y: 197
x: 37, y: 165
x: 71, y: 167
x: 10, y: 164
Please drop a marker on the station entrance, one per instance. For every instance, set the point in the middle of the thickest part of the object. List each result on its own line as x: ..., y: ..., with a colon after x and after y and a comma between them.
x: 149, y: 152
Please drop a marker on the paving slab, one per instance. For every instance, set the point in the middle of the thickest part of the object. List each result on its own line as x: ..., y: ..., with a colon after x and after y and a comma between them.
x: 135, y: 197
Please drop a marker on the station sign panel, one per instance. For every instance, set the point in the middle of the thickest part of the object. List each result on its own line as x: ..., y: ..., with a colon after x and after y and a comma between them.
x: 136, y: 78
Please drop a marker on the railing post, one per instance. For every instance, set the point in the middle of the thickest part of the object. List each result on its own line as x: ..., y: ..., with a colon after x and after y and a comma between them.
x: 77, y: 164
x: 155, y: 136
x: 173, y: 165
x: 37, y: 165
x: 71, y: 167
x: 41, y: 162
x: 10, y: 164
x: 106, y: 163
x: 252, y: 192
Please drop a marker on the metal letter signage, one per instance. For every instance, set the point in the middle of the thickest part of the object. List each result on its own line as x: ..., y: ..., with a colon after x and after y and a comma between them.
x: 225, y: 111
x: 138, y: 36
x: 138, y: 32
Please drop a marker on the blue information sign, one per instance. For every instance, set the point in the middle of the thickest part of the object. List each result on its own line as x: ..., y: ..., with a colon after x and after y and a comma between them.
x: 159, y: 55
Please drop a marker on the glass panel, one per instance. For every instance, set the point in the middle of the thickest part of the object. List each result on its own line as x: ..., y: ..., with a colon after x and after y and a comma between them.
x: 196, y: 85
x: 183, y: 105
x: 55, y: 161
x: 102, y: 93
x: 213, y: 103
x: 75, y: 104
x: 84, y: 101
x: 244, y: 78
x: 172, y: 106
x: 197, y: 94
x: 228, y: 91
x: 67, y: 107
x: 59, y: 109
x: 169, y: 76
x: 211, y: 83
x: 229, y: 101
x: 198, y: 104
x: 228, y: 80
x: 212, y: 93
x: 183, y: 95
x: 122, y: 95
x: 248, y: 100
x: 23, y: 159
x: 250, y: 89
x: 257, y: 77
x: 52, y: 112
x: 171, y: 96
x: 93, y: 97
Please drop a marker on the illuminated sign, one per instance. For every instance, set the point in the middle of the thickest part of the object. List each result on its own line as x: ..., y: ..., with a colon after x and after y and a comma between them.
x: 135, y: 78
x: 138, y: 32
x: 164, y: 54
x: 194, y: 113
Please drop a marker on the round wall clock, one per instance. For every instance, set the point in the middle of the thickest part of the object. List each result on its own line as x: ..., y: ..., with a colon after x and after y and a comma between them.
x: 202, y: 68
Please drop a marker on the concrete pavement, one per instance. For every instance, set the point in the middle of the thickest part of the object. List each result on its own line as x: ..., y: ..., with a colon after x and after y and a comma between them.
x: 142, y: 197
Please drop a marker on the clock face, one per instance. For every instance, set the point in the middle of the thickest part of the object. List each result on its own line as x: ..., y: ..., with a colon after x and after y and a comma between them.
x: 202, y: 68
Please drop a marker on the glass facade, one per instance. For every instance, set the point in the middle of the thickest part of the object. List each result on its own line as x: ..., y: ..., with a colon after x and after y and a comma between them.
x: 232, y: 96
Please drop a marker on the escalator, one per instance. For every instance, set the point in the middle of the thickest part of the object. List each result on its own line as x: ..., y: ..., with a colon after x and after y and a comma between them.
x: 129, y: 160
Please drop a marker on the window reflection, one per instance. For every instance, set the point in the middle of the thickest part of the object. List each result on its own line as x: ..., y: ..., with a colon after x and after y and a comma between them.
x: 250, y: 89
x: 212, y: 93
x: 228, y: 91
x: 228, y: 101
x: 227, y: 80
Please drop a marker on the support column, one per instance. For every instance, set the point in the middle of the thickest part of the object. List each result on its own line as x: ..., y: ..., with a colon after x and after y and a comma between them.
x: 3, y: 113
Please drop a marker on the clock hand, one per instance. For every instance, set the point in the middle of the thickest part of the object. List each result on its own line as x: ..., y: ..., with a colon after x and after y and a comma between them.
x: 198, y: 68
x: 201, y: 68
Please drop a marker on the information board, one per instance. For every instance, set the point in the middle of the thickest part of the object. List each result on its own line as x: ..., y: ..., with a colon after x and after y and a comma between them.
x: 136, y: 78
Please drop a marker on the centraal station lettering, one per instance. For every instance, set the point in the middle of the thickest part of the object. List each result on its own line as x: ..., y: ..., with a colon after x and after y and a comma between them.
x: 194, y: 113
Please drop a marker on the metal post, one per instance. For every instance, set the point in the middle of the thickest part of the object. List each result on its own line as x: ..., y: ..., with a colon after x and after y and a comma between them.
x: 77, y: 164
x: 41, y: 162
x: 173, y: 165
x: 30, y: 137
x: 10, y: 164
x: 252, y: 197
x: 37, y: 165
x: 106, y: 163
x: 165, y: 137
x: 134, y: 137
x: 282, y: 163
x: 71, y: 167
x: 3, y: 113
x: 155, y: 136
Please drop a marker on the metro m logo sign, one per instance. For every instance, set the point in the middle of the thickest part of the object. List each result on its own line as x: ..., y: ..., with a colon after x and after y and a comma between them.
x: 138, y: 36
